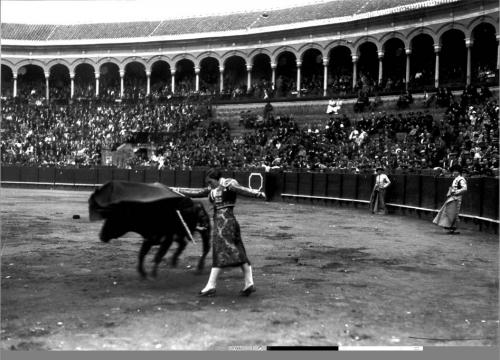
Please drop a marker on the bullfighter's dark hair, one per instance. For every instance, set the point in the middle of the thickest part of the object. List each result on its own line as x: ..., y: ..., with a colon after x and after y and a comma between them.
x: 214, y: 174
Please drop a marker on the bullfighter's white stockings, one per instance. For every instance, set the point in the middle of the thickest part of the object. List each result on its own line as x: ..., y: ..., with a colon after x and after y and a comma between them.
x: 212, y: 279
x: 247, y: 271
x: 214, y: 273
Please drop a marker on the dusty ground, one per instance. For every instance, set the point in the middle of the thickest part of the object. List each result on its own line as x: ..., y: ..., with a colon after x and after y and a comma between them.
x: 324, y: 276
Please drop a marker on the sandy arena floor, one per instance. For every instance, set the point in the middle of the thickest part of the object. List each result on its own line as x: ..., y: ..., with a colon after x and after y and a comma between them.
x: 324, y: 276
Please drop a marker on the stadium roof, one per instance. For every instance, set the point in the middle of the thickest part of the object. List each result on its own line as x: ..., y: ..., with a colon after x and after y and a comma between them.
x: 337, y: 11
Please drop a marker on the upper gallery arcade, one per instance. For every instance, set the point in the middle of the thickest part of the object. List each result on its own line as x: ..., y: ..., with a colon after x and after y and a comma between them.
x: 434, y: 43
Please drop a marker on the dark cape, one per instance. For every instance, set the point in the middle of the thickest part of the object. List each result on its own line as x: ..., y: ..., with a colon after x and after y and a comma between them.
x: 117, y: 195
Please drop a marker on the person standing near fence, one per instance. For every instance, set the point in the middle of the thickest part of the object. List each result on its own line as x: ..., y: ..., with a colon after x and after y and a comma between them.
x: 447, y: 217
x: 377, y: 198
x: 227, y: 247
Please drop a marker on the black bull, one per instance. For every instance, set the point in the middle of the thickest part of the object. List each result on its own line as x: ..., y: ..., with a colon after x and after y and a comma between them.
x: 158, y: 214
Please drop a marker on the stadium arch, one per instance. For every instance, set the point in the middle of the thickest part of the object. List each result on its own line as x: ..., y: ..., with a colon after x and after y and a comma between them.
x: 54, y: 62
x: 81, y: 61
x: 422, y: 30
x: 9, y: 64
x: 208, y: 54
x: 365, y: 39
x: 259, y: 51
x: 336, y: 43
x: 309, y: 46
x: 185, y: 56
x: 237, y: 53
x: 423, y: 59
x: 340, y: 61
x: 134, y: 59
x: 34, y: 62
x: 394, y: 35
x: 106, y: 60
x: 282, y: 49
x: 157, y: 58
x: 452, y: 26
x: 483, y: 20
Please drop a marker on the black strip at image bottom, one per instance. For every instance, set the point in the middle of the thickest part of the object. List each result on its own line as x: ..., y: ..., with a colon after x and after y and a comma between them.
x: 302, y: 348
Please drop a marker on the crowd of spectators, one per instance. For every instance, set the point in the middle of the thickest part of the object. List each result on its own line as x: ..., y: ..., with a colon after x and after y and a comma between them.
x: 467, y: 134
x: 340, y: 84
x: 77, y: 133
x: 182, y: 135
x: 407, y: 141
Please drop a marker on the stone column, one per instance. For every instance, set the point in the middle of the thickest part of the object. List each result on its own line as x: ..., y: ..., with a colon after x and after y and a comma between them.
x: 97, y: 76
x: 249, y: 76
x: 299, y: 64
x: 325, y: 75
x: 380, y: 67
x: 14, y: 90
x: 354, y: 70
x: 197, y: 81
x: 172, y: 72
x: 408, y: 56
x: 122, y: 78
x: 437, y: 50
x: 148, y: 83
x: 72, y: 77
x: 221, y: 79
x: 468, y: 44
x: 47, y: 92
x: 273, y: 75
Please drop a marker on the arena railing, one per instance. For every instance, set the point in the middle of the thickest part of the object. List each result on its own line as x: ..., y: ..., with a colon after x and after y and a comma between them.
x: 407, y: 192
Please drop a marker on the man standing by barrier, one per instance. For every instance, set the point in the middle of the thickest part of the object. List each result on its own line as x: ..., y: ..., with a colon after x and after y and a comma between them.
x: 447, y: 217
x: 377, y: 198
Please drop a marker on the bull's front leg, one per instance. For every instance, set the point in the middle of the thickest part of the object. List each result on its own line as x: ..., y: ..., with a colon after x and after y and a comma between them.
x: 181, y: 241
x: 146, y: 245
x: 164, y: 246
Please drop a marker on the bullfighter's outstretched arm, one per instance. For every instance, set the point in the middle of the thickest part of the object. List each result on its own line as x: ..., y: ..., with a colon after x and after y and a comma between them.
x: 243, y: 190
x: 192, y: 192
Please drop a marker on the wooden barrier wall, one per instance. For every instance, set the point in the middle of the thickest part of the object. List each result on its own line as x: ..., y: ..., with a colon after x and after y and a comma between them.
x: 412, y: 191
x: 417, y: 191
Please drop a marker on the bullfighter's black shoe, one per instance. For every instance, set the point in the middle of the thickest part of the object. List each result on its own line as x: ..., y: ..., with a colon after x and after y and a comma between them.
x: 247, y: 291
x: 209, y: 292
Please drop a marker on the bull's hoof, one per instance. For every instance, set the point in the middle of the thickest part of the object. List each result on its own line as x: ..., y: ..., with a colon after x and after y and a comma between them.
x: 174, y: 263
x: 154, y: 273
x: 143, y: 274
